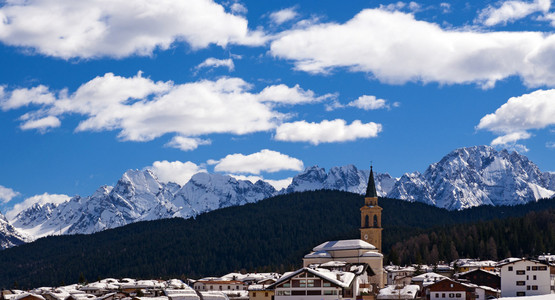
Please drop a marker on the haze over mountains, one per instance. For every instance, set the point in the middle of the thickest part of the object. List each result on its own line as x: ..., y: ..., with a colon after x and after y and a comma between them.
x: 464, y: 178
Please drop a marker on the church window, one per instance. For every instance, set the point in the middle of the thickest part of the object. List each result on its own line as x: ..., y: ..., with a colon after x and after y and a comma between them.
x: 366, y: 221
x: 375, y: 221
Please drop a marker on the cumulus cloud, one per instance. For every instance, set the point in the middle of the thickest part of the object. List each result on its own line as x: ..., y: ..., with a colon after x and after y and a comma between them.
x: 326, y: 131
x: 262, y: 161
x: 37, y: 199
x: 41, y: 124
x: 368, y: 102
x: 142, y: 109
x: 216, y: 63
x: 396, y: 48
x: 519, y: 114
x: 175, y: 171
x: 284, y: 15
x: 186, y: 143
x: 511, y: 138
x: 24, y: 97
x: 7, y: 194
x: 281, y: 93
x: 510, y: 11
x: 119, y: 28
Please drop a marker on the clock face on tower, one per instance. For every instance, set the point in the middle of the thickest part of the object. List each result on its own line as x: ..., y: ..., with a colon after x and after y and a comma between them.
x: 366, y: 237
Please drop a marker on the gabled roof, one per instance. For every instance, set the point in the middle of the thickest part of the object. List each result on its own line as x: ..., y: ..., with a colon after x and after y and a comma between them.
x: 344, y: 245
x: 512, y: 260
x: 344, y: 281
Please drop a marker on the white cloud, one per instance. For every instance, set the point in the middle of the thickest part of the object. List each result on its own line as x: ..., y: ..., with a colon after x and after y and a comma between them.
x: 550, y: 145
x: 519, y: 114
x: 215, y: 63
x: 263, y: 161
x: 283, y: 94
x: 119, y: 28
x: 41, y: 124
x: 238, y: 8
x: 37, y: 199
x: 284, y: 15
x: 175, y: 171
x: 368, y: 102
x: 277, y: 184
x: 186, y: 143
x: 511, y: 138
x: 7, y: 194
x: 445, y: 7
x: 529, y: 111
x: 510, y: 11
x: 326, y: 131
x: 396, y: 48
x: 24, y: 97
x: 142, y: 109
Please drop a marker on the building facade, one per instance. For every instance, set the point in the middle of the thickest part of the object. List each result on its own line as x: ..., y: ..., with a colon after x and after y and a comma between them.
x: 524, y: 277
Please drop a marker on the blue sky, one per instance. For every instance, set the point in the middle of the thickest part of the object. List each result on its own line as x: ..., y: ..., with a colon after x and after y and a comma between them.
x: 90, y: 89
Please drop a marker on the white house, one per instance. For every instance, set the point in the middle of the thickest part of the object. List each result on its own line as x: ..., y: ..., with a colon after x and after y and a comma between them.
x: 524, y: 277
x: 318, y: 284
x: 399, y: 275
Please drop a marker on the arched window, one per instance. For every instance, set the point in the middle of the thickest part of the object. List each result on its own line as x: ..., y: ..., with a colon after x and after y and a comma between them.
x: 376, y: 221
x: 366, y: 221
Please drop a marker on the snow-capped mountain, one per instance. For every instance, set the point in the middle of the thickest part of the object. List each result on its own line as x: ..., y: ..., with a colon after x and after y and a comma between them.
x: 9, y: 236
x: 476, y: 176
x: 464, y: 178
x: 139, y: 196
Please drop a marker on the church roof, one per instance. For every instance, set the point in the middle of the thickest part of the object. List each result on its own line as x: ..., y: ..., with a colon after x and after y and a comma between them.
x: 371, y: 188
x: 344, y: 245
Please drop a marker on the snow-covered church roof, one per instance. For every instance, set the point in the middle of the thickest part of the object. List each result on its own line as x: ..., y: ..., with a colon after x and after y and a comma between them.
x: 344, y: 245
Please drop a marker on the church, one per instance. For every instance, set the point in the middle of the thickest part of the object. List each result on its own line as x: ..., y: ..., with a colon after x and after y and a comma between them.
x: 345, y: 268
x: 367, y: 249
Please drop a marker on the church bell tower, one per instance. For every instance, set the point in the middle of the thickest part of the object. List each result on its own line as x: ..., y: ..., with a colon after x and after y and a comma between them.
x: 371, y: 216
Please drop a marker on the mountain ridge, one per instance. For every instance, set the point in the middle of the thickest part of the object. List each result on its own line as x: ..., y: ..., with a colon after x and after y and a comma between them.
x: 464, y: 178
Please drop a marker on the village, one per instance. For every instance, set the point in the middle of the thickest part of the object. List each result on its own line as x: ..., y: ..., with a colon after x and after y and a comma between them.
x: 343, y: 269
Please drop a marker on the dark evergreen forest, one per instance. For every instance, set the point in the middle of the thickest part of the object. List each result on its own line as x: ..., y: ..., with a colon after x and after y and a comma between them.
x: 274, y: 235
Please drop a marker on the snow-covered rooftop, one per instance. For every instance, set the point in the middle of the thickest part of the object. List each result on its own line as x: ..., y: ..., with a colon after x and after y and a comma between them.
x: 318, y: 254
x: 393, y: 292
x: 344, y: 245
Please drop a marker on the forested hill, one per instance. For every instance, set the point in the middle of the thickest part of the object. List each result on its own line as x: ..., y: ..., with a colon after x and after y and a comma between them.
x: 272, y: 234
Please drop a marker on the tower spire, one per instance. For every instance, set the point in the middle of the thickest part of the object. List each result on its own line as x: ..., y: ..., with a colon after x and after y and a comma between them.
x: 371, y: 189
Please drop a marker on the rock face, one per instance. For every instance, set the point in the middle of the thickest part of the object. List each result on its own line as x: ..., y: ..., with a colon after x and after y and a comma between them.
x: 464, y: 178
x: 9, y: 236
x: 139, y: 196
x: 476, y: 176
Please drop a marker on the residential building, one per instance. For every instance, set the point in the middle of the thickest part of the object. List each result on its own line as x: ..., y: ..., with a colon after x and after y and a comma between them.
x: 481, y: 277
x: 397, y: 275
x: 524, y: 277
x: 320, y: 284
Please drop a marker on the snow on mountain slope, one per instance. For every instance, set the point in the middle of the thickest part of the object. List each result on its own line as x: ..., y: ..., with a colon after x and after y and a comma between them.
x: 9, y: 236
x: 464, y: 178
x: 476, y: 176
x: 139, y: 196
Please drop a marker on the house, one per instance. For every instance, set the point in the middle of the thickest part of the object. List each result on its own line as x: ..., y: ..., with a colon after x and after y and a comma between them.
x: 448, y: 289
x: 423, y: 280
x: 260, y: 292
x: 320, y: 284
x: 524, y: 277
x: 399, y: 275
x: 219, y: 285
x: 480, y: 277
x: 469, y: 265
x: 405, y: 292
